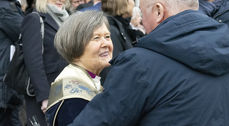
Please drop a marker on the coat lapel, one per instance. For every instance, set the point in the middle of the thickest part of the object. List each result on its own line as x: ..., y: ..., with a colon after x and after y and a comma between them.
x: 49, y: 20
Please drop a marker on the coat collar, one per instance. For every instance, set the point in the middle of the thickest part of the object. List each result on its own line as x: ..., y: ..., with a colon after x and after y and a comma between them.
x: 49, y: 20
x: 193, y: 39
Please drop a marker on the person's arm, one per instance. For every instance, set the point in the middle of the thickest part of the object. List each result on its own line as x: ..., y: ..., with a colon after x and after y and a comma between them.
x: 70, y: 110
x: 66, y: 111
x: 121, y: 103
x: 32, y: 47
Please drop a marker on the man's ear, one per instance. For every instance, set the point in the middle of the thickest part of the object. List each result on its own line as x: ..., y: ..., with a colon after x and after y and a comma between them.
x: 160, y: 12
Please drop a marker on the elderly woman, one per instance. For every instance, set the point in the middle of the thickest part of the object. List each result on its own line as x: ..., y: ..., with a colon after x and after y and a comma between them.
x: 42, y: 61
x: 87, y: 46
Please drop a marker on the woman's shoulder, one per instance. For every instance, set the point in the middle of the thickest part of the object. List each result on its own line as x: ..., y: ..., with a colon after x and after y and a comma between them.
x: 35, y: 15
x: 67, y: 88
x: 71, y: 71
x: 32, y: 18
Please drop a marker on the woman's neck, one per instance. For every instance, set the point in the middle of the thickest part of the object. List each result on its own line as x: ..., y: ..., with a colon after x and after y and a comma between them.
x: 87, y: 68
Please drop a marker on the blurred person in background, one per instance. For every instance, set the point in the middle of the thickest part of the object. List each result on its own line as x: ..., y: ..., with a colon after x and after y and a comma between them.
x: 136, y: 20
x: 42, y: 61
x: 87, y: 46
x: 119, y: 13
x: 30, y: 6
x: 23, y: 4
x: 11, y: 17
x: 76, y: 3
x: 73, y: 5
x: 95, y: 6
x: 87, y: 3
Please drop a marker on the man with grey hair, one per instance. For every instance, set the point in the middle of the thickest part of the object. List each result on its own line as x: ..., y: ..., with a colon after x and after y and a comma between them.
x: 177, y: 75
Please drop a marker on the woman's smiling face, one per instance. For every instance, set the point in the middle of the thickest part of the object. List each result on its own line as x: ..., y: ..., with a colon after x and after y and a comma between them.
x: 98, y: 52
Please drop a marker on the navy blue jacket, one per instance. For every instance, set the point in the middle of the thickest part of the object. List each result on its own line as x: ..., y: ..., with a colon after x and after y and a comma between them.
x: 66, y: 113
x: 178, y: 75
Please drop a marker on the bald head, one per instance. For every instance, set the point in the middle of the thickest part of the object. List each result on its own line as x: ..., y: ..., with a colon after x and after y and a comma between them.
x: 181, y: 5
x: 156, y: 11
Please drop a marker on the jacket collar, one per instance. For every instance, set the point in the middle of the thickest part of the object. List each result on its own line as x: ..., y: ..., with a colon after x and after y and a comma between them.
x: 193, y: 39
x: 49, y: 20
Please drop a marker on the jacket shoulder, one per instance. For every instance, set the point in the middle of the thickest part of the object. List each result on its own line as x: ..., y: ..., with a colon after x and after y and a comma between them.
x: 9, y: 5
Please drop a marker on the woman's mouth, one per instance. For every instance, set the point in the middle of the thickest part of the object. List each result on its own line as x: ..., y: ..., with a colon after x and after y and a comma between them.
x: 104, y: 54
x: 59, y: 4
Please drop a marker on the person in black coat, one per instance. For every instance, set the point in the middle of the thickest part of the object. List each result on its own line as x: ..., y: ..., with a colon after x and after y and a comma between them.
x: 43, y: 63
x: 122, y: 34
x: 177, y: 75
x: 11, y: 17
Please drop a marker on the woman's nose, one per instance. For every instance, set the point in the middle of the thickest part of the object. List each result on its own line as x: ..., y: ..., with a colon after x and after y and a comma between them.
x: 105, y: 41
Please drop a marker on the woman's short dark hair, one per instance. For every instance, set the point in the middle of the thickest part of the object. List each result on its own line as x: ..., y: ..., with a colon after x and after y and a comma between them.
x: 76, y: 32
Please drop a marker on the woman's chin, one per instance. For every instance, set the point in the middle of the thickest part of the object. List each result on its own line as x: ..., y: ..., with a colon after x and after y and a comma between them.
x: 106, y: 65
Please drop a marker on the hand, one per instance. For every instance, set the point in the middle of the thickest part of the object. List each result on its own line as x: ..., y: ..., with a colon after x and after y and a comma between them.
x: 44, y: 105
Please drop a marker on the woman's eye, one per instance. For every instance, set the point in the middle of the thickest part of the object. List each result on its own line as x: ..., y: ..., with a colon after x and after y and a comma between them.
x: 96, y: 38
x: 108, y: 36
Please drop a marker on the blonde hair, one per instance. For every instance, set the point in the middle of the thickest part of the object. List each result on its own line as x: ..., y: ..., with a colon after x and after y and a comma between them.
x: 41, y: 5
x: 115, y: 7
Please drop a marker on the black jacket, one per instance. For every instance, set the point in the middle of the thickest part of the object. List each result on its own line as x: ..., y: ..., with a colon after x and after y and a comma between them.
x: 121, y: 40
x: 178, y: 75
x: 42, y: 68
x: 10, y: 20
x: 119, y: 36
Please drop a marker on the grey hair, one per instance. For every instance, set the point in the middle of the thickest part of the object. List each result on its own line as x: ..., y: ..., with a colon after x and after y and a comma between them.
x: 176, y: 6
x: 179, y: 5
x: 76, y: 32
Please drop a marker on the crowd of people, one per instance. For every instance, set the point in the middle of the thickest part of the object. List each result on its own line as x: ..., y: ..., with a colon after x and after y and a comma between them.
x: 117, y: 62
